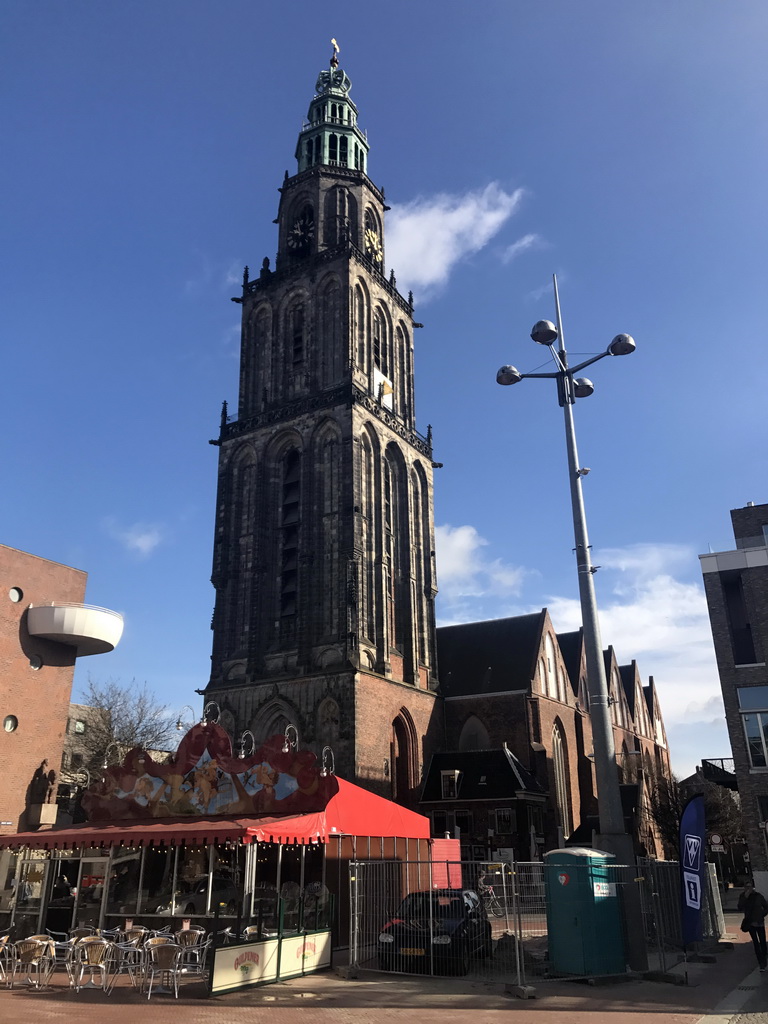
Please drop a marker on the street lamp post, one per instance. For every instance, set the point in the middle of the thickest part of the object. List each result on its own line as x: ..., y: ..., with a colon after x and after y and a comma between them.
x: 613, y: 836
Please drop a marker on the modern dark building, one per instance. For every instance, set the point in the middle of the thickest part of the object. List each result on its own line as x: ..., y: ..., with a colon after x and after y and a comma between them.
x: 736, y: 585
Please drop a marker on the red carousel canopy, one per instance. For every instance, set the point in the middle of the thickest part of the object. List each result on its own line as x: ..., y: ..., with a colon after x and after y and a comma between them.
x: 351, y: 811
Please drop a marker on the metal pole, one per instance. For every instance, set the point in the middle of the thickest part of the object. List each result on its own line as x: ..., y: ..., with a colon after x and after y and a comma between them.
x: 606, y: 774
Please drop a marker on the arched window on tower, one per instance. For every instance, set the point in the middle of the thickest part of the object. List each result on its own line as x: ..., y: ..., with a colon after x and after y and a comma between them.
x: 289, y: 540
x: 328, y: 492
x: 368, y: 519
x: 402, y: 374
x: 343, y: 150
x: 296, y: 341
x: 560, y: 770
x: 340, y: 216
x: 333, y: 149
x: 332, y: 349
x: 361, y: 313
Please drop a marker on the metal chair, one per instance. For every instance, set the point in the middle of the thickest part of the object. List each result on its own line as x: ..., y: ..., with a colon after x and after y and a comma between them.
x: 163, y: 960
x: 63, y: 953
x: 190, y: 936
x: 92, y: 954
x: 194, y: 954
x: 35, y: 958
x: 127, y: 958
x: 5, y: 948
x: 82, y: 932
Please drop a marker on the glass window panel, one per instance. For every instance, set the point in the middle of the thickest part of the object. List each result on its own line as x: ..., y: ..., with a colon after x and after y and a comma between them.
x: 124, y: 881
x: 752, y: 698
x: 90, y: 892
x: 754, y: 736
x: 229, y: 878
x: 157, y: 883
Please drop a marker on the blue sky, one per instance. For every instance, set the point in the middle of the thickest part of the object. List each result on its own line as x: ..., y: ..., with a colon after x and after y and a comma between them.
x: 622, y: 146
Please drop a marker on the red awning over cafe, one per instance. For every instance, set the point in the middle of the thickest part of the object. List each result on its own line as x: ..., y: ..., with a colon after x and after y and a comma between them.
x: 351, y: 811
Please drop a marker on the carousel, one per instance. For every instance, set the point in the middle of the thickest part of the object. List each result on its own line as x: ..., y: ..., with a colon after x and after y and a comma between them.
x: 255, y: 845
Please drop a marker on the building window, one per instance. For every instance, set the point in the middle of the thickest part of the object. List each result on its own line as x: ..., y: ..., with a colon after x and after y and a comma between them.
x: 463, y: 821
x: 442, y: 822
x: 742, y: 644
x: 506, y: 822
x: 753, y: 702
x: 79, y: 727
x: 561, y: 780
x: 449, y: 784
x: 76, y: 761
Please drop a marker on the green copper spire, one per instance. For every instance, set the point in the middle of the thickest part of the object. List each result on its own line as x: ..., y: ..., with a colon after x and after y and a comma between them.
x: 330, y: 136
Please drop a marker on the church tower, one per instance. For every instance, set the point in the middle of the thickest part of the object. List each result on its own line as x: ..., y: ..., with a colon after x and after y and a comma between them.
x: 323, y: 561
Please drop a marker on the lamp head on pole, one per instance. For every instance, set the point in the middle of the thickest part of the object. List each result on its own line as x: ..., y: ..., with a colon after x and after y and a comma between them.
x: 583, y: 387
x: 544, y: 332
x: 508, y: 375
x: 622, y: 345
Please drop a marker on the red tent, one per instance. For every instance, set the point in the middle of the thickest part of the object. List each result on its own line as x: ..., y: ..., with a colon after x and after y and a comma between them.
x: 351, y: 811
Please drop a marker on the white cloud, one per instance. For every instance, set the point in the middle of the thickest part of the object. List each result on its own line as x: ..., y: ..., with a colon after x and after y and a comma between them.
x: 429, y: 235
x: 207, y: 277
x: 649, y: 613
x: 520, y: 246
x: 140, y: 538
x: 467, y: 579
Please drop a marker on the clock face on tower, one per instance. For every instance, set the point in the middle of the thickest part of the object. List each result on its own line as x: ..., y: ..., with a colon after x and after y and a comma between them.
x: 301, y: 233
x: 373, y: 247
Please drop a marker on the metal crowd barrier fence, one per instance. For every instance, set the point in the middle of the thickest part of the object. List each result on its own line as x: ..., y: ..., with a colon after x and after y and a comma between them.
x: 517, y: 924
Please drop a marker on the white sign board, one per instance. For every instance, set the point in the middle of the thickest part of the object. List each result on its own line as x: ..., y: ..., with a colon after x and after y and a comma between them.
x: 692, y: 889
x: 238, y: 966
x: 302, y: 954
x: 603, y: 889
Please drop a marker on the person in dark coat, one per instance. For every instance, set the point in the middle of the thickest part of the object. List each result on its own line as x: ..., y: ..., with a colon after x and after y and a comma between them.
x: 755, y: 908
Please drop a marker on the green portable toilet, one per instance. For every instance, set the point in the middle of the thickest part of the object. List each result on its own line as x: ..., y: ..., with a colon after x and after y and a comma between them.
x: 584, y: 930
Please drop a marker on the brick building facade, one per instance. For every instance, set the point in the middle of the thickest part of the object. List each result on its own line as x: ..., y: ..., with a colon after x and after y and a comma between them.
x: 515, y: 687
x: 736, y: 586
x: 44, y: 628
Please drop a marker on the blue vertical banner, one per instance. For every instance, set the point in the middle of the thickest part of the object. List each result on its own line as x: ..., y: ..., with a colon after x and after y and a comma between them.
x: 692, y: 840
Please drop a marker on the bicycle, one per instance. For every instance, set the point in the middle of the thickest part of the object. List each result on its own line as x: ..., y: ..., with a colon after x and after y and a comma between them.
x: 491, y: 901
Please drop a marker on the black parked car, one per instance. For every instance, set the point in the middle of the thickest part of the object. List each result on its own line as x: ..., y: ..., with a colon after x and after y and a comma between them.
x: 436, y: 931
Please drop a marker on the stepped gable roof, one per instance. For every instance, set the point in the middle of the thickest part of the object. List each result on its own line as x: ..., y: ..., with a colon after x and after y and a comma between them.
x: 629, y: 675
x: 485, y: 775
x: 649, y: 693
x: 570, y: 647
x: 489, y: 657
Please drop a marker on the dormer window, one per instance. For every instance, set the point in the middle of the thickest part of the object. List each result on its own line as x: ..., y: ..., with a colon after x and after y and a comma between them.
x: 449, y: 784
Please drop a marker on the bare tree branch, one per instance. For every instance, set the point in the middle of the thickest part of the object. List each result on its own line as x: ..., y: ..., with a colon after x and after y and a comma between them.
x: 127, y: 715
